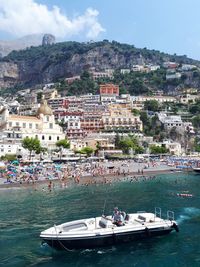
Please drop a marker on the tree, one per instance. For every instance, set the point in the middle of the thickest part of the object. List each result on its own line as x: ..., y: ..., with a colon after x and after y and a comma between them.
x: 152, y: 105
x: 158, y: 149
x: 87, y: 150
x: 135, y: 112
x: 40, y: 151
x: 39, y: 96
x: 196, y: 121
x: 195, y: 108
x: 126, y: 144
x: 144, y: 118
x: 129, y: 143
x: 9, y: 157
x: 85, y: 75
x: 31, y: 144
x: 63, y: 143
x: 117, y: 140
x: 197, y: 144
x: 98, y: 147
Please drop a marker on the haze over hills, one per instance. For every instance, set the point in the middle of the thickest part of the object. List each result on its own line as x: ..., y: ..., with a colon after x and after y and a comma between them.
x: 18, y: 44
x: 49, y: 63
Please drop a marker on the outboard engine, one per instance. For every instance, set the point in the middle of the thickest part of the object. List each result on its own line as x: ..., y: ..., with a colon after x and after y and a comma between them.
x: 175, y: 226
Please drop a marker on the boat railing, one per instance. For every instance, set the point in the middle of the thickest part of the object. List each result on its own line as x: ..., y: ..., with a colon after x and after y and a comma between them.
x: 158, y: 212
x: 170, y: 215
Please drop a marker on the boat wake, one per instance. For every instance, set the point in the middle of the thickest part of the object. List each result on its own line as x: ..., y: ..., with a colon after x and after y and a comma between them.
x: 99, y: 251
x: 188, y: 213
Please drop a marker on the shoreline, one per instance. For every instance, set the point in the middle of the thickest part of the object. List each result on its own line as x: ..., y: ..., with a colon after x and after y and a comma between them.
x: 88, y: 180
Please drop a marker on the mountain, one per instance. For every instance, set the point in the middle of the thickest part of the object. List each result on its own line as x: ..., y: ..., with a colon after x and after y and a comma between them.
x: 49, y: 63
x: 29, y: 40
x: 26, y: 41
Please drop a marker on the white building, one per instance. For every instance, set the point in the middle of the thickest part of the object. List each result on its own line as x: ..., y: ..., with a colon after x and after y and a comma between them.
x: 7, y: 148
x: 188, y: 98
x: 125, y: 71
x: 140, y: 100
x: 138, y: 68
x: 187, y: 67
x: 173, y: 147
x: 41, y: 126
x: 153, y: 67
x: 171, y: 76
x: 175, y: 121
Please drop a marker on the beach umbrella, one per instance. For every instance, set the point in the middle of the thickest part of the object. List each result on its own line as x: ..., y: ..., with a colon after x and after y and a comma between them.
x: 9, y: 172
x: 15, y: 162
x: 2, y: 165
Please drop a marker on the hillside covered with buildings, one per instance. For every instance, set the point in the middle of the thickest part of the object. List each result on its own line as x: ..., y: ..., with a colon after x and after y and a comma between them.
x: 106, y: 99
x: 108, y: 123
x: 135, y: 70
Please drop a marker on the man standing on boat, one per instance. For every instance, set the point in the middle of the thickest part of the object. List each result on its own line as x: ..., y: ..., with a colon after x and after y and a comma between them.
x: 117, y: 217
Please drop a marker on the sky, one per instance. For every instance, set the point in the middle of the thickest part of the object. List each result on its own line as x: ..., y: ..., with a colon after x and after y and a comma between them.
x: 171, y: 26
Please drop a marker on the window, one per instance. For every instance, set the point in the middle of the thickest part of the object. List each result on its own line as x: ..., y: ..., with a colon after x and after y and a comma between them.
x: 9, y: 135
x: 17, y: 123
x: 36, y: 126
x: 58, y: 138
x: 50, y: 125
x: 24, y: 125
x: 30, y: 125
x: 47, y: 118
x: 10, y: 124
x: 43, y: 137
x: 49, y: 138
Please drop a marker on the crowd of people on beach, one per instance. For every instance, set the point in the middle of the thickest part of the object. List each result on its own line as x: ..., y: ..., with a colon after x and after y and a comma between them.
x: 84, y: 173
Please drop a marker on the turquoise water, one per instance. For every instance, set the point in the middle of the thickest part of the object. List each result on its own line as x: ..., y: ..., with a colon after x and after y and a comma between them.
x: 25, y: 213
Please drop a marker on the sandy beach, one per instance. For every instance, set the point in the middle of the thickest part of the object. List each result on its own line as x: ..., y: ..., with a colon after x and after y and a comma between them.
x: 132, y: 171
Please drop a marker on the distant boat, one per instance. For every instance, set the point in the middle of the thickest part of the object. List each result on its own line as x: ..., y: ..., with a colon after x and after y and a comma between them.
x: 196, y: 169
x: 64, y: 159
x: 101, y: 231
x: 184, y: 195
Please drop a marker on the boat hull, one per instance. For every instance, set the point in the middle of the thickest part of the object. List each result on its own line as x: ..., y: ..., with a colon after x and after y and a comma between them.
x: 102, y: 241
x: 197, y: 170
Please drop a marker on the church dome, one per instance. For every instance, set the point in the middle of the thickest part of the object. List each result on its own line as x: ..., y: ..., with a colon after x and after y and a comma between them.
x: 44, y: 109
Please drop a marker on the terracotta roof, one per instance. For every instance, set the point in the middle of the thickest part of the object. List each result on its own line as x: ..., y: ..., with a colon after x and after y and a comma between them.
x: 24, y: 118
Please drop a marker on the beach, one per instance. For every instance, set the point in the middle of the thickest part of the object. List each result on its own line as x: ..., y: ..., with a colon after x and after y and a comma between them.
x: 65, y: 175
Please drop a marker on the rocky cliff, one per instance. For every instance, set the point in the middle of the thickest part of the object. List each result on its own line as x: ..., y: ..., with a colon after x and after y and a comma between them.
x: 9, y: 74
x: 44, y: 64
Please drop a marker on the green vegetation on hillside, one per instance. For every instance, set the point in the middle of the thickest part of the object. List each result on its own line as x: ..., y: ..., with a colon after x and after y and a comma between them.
x: 56, y: 62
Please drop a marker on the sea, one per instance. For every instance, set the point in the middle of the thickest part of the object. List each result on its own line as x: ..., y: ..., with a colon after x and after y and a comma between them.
x: 24, y: 213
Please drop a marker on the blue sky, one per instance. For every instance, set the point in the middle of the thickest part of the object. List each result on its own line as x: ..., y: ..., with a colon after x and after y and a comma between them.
x: 171, y: 26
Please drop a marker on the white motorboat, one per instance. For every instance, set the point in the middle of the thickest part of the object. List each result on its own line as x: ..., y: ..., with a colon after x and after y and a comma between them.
x: 100, y: 231
x: 196, y: 169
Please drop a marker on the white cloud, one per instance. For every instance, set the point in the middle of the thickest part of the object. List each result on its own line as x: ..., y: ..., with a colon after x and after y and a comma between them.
x: 21, y: 17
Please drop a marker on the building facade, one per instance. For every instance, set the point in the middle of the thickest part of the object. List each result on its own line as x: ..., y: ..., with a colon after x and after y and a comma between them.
x: 119, y: 117
x: 41, y: 126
